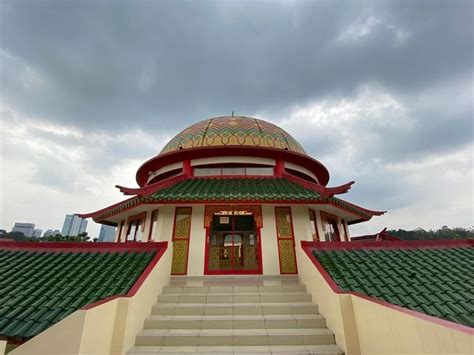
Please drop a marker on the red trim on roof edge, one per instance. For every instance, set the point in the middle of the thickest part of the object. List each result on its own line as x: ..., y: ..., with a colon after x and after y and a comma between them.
x: 401, y: 244
x: 92, y: 214
x: 307, y: 247
x: 383, y: 235
x: 152, y: 188
x: 320, y: 189
x: 161, y: 246
x: 149, y: 190
x: 102, y: 247
x: 161, y: 160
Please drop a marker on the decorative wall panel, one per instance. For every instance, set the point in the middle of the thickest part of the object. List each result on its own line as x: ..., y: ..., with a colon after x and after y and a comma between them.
x: 286, y: 240
x: 286, y: 249
x: 181, y: 235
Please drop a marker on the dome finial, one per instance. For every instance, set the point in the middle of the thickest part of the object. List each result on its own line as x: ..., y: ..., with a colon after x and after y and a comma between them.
x: 232, y: 113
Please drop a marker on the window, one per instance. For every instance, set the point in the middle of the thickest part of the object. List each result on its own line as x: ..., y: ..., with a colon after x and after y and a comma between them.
x: 136, y: 228
x: 233, y: 171
x: 331, y: 231
x: 154, y: 225
x: 207, y: 171
x: 230, y: 171
x: 119, y: 236
x: 260, y: 171
x: 346, y: 232
x: 314, y: 226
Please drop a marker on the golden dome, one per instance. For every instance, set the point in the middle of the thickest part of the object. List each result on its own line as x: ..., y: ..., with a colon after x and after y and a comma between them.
x: 233, y: 131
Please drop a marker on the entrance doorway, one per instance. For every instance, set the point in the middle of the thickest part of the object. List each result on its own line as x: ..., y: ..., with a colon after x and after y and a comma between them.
x: 233, y: 244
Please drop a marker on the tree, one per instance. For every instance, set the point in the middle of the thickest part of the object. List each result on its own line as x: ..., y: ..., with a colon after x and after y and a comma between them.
x: 444, y: 233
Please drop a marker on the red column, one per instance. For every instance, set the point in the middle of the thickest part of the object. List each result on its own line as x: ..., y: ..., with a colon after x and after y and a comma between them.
x: 187, y: 169
x: 279, y: 168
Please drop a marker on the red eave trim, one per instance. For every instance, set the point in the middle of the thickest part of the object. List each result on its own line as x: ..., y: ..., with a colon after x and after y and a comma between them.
x: 81, y: 247
x: 307, y: 247
x: 103, y: 210
x: 365, y: 210
x: 161, y: 160
x: 320, y: 189
x: 401, y: 244
x: 383, y: 235
x: 148, y: 190
x: 152, y: 188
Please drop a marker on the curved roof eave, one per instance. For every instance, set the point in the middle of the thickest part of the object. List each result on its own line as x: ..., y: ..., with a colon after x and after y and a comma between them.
x: 165, y: 159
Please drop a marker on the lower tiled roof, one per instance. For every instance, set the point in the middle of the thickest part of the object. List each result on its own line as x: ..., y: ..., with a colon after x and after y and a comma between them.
x: 40, y: 287
x: 236, y: 189
x: 435, y: 281
x: 245, y: 189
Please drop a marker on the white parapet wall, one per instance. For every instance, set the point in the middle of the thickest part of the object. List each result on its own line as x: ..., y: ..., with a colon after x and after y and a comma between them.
x: 108, y: 328
x: 365, y: 326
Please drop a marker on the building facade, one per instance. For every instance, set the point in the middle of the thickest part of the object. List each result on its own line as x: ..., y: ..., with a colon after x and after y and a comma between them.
x: 234, y: 195
x: 107, y: 233
x: 26, y: 228
x: 73, y: 225
x: 51, y: 232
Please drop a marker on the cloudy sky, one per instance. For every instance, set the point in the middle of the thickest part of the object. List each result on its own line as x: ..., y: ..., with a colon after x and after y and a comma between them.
x: 381, y: 92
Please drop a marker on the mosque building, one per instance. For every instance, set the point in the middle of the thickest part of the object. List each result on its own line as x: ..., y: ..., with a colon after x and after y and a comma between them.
x: 235, y: 195
x: 234, y: 243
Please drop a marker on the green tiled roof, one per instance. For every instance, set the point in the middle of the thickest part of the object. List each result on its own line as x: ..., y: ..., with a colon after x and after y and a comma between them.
x: 435, y: 281
x: 39, y: 288
x: 262, y: 190
x: 238, y: 189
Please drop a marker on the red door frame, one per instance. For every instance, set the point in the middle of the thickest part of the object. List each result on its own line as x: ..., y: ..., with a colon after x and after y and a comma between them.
x: 259, y: 271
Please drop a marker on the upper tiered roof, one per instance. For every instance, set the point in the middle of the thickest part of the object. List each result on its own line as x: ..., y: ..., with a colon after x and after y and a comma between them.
x: 229, y: 136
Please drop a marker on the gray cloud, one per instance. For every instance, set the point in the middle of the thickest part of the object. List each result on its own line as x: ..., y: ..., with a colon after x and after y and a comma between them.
x: 101, y: 62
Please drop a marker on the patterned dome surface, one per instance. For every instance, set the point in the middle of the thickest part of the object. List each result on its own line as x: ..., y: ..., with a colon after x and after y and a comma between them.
x: 233, y: 131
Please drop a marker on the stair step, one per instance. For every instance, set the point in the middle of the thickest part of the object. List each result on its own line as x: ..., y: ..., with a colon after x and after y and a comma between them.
x: 229, y: 297
x: 235, y: 321
x: 228, y: 337
x: 233, y: 289
x: 264, y: 349
x: 236, y: 308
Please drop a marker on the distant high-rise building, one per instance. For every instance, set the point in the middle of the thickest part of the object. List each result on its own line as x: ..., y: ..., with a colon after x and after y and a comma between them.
x: 26, y: 228
x: 73, y: 225
x: 37, y: 233
x: 107, y: 233
x: 51, y: 232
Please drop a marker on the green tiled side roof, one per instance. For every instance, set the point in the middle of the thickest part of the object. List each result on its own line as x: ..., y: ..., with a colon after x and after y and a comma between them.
x: 435, y: 281
x: 39, y: 288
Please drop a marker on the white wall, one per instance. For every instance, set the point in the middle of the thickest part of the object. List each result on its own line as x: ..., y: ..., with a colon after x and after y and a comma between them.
x: 300, y: 169
x: 269, y: 244
x: 197, y: 242
x: 301, y: 223
x: 164, y: 229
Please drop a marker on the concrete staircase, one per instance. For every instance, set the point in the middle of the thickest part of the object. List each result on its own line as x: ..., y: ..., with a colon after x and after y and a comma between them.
x: 235, y: 314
